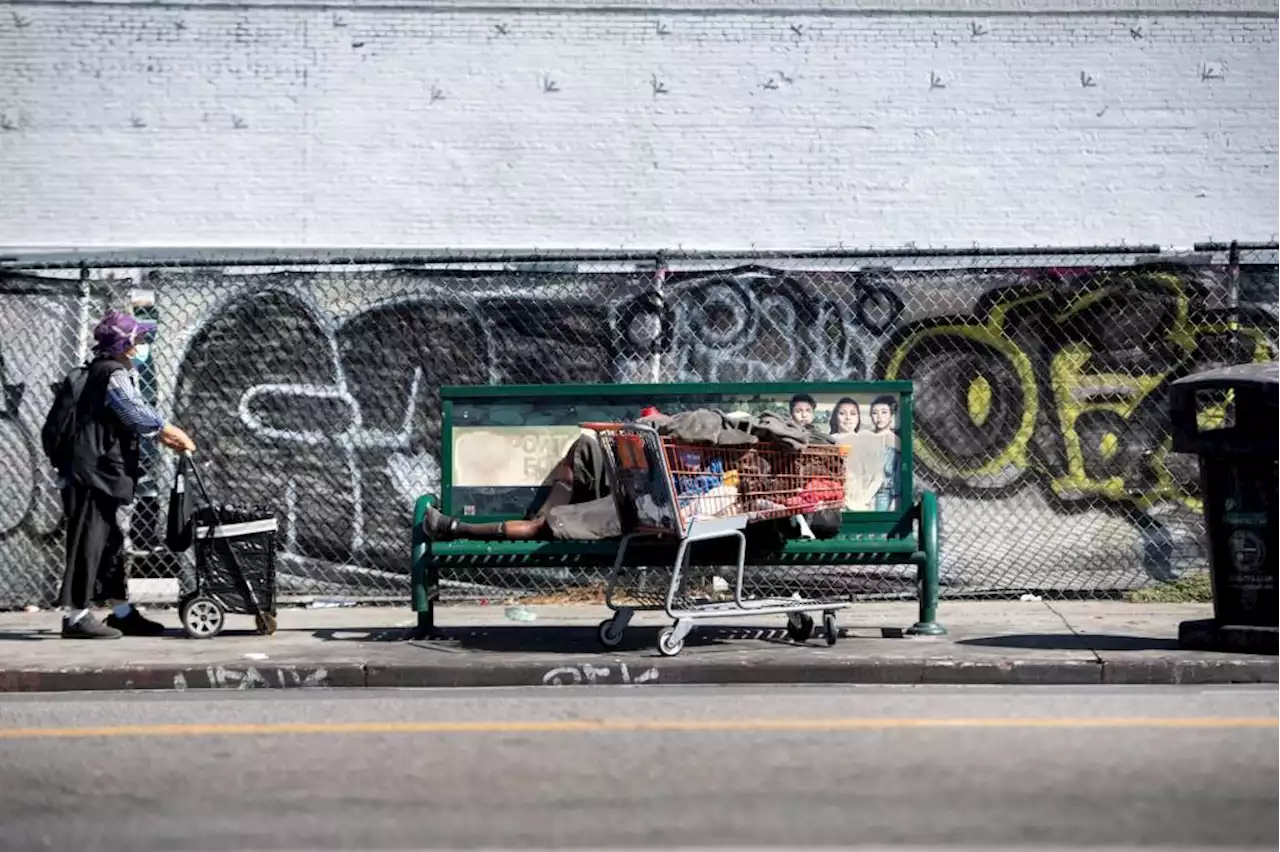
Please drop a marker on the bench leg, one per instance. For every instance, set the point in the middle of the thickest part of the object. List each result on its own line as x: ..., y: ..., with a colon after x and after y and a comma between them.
x: 424, y: 581
x: 424, y: 575
x: 928, y: 574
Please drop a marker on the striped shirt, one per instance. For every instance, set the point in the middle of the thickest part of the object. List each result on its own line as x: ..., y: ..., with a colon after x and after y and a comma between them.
x: 126, y: 402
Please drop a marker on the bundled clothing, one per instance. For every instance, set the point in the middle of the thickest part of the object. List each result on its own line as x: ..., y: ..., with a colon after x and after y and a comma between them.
x: 713, y: 427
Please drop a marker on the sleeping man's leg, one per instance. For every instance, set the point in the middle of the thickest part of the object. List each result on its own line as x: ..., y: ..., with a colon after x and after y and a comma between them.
x: 577, y: 478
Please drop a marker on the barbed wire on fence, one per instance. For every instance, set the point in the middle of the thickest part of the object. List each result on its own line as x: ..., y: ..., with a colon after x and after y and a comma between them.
x: 310, y: 383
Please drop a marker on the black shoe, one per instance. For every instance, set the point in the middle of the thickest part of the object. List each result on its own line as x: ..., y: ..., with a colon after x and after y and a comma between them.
x: 134, y: 624
x: 437, y: 525
x: 88, y: 627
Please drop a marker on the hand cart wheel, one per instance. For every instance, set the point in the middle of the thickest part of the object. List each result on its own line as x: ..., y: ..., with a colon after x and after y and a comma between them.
x: 202, y: 617
x: 668, y: 645
x: 800, y: 627
x: 829, y: 625
x: 609, y: 634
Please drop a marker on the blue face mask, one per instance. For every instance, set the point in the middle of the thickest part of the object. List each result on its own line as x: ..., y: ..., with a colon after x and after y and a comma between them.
x: 141, y: 355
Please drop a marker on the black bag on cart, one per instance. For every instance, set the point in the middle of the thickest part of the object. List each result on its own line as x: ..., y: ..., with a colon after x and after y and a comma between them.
x: 235, y: 557
x: 179, y: 527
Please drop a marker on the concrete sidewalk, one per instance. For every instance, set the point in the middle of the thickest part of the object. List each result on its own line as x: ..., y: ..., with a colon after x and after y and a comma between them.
x: 1004, y: 642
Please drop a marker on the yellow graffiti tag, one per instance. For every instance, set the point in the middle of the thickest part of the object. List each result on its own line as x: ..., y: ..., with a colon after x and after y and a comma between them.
x: 1075, y: 389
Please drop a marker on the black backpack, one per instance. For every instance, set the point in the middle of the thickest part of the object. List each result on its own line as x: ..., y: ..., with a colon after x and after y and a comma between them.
x: 61, y: 424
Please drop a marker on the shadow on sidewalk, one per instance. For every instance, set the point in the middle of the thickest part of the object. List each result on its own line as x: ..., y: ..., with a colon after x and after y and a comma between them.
x: 558, y: 639
x: 30, y: 635
x: 1074, y: 642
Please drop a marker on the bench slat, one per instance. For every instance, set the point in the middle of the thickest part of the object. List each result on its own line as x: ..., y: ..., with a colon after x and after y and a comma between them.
x: 554, y: 549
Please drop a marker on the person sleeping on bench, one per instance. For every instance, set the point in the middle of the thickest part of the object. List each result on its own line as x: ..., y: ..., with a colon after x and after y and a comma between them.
x: 579, y: 505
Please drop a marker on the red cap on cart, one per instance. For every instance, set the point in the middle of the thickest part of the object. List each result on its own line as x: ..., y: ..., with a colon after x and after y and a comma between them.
x: 650, y: 411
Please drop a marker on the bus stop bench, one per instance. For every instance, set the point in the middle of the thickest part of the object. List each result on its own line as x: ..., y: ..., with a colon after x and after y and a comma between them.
x: 499, y: 444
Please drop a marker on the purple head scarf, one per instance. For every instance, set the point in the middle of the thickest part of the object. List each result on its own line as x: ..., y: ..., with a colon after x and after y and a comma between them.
x: 118, y: 332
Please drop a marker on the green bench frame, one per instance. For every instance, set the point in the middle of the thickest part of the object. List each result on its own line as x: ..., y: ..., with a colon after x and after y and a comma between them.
x: 907, y: 535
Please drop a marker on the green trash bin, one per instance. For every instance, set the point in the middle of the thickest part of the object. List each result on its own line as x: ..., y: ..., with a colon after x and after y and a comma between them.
x: 1228, y: 417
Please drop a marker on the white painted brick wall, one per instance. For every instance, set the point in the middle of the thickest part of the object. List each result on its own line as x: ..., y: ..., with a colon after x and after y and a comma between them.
x: 164, y: 124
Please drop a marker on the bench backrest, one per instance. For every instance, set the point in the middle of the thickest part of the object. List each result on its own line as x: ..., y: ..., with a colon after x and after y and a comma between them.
x: 501, y: 442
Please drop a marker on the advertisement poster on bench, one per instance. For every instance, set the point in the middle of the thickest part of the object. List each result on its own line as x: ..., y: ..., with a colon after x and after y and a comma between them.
x: 868, y: 425
x: 504, y: 453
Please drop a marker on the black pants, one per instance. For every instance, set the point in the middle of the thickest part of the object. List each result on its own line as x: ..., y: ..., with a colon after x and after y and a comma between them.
x: 95, y: 569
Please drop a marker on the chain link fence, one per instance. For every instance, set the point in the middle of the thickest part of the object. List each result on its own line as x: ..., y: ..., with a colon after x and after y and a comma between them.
x: 310, y: 383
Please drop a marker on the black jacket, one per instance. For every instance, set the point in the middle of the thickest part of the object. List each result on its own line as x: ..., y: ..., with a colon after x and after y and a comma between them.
x: 107, y: 456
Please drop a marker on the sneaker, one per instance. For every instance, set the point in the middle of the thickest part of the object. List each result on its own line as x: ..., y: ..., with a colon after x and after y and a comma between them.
x: 436, y: 524
x: 88, y: 627
x: 134, y: 624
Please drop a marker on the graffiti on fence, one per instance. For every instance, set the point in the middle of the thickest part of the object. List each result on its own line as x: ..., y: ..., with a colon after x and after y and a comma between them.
x: 1055, y: 376
x: 1064, y: 379
x: 753, y: 324
x: 337, y: 420
x: 17, y: 456
x: 318, y: 391
x: 37, y: 340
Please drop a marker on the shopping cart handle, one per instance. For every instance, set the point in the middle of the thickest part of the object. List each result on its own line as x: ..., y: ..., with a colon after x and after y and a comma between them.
x: 596, y: 426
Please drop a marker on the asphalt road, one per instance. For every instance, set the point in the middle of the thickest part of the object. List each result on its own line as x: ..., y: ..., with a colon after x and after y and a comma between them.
x: 642, y: 768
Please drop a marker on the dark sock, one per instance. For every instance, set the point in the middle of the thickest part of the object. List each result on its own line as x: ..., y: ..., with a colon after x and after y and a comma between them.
x: 438, y: 525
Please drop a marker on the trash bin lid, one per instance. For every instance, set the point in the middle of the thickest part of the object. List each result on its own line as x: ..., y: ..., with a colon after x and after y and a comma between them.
x: 1262, y: 374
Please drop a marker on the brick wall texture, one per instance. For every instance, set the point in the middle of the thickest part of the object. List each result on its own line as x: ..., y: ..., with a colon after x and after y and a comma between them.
x: 645, y: 126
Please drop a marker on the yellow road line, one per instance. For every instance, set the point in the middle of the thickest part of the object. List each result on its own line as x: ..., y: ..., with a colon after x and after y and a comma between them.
x: 637, y: 725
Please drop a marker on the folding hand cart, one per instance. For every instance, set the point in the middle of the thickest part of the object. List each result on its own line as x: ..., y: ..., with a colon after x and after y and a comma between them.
x: 687, y: 493
x: 235, y: 566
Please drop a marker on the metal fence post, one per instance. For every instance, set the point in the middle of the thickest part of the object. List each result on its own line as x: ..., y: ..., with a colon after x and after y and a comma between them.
x: 659, y: 280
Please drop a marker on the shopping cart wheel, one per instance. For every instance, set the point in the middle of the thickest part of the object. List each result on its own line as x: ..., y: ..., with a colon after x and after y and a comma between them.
x: 266, y: 623
x: 800, y: 627
x: 668, y: 645
x: 202, y: 618
x: 829, y: 625
x: 610, y: 633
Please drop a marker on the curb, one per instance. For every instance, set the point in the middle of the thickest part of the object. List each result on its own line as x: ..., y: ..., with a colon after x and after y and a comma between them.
x: 611, y: 671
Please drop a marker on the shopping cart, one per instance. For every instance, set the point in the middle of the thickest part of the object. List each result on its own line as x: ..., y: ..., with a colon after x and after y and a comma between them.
x: 687, y: 493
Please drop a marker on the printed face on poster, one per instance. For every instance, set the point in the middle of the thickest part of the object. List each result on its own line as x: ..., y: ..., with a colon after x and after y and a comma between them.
x: 868, y: 425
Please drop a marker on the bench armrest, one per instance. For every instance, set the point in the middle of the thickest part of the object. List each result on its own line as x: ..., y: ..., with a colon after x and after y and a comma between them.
x: 418, y: 591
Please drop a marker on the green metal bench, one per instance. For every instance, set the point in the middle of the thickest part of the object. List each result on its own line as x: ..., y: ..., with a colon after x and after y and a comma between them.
x: 499, y: 443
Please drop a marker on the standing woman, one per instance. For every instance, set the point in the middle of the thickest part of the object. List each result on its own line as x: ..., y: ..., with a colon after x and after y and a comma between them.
x: 98, y: 478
